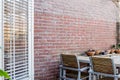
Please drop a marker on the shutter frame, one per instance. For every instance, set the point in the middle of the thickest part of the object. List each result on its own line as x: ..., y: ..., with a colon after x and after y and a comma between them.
x: 12, y: 44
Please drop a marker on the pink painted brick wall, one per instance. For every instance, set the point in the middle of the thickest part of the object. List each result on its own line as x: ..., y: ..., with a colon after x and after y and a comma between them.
x: 70, y: 25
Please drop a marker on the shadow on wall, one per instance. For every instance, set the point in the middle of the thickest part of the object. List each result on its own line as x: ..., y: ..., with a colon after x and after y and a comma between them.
x: 117, y: 32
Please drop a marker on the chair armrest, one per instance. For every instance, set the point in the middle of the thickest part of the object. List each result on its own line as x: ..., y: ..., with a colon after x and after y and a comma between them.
x: 69, y: 68
x: 104, y: 74
x: 118, y: 75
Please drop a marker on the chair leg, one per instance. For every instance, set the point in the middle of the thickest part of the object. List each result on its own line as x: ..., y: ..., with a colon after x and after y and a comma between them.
x: 90, y: 76
x: 115, y: 78
x: 60, y: 74
x: 79, y: 75
x: 97, y: 77
x: 64, y: 74
x: 94, y: 77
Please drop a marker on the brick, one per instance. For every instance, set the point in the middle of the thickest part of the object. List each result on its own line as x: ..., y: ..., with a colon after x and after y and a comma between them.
x: 72, y: 26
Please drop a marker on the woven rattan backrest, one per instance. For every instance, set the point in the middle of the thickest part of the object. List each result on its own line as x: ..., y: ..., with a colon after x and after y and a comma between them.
x: 102, y: 65
x: 69, y: 60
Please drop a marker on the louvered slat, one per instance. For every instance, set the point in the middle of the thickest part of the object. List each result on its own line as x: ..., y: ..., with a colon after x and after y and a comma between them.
x: 16, y: 38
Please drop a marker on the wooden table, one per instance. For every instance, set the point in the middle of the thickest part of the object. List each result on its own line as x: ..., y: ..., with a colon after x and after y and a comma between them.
x: 116, y: 58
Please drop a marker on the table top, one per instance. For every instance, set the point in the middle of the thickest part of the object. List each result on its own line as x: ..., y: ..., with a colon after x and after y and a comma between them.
x: 84, y: 59
x: 116, y: 58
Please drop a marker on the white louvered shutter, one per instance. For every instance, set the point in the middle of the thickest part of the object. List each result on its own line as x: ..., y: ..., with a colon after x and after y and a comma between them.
x: 16, y: 39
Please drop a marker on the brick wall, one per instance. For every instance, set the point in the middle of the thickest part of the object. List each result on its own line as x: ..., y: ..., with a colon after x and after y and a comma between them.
x: 70, y: 25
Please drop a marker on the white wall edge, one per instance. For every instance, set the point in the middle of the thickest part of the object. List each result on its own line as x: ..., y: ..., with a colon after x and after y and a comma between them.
x: 1, y: 36
x: 31, y: 39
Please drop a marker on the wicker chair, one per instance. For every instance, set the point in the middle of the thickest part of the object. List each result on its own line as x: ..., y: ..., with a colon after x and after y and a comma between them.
x: 71, y: 68
x: 104, y: 67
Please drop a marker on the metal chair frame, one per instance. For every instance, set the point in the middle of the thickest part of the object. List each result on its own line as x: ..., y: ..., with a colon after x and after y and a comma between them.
x: 63, y: 69
x: 92, y: 72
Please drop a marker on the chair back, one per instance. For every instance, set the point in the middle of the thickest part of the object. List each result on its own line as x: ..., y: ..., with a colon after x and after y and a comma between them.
x: 102, y: 65
x: 69, y: 60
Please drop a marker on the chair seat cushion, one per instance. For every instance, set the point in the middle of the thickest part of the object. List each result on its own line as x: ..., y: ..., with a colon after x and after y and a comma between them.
x: 107, y: 78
